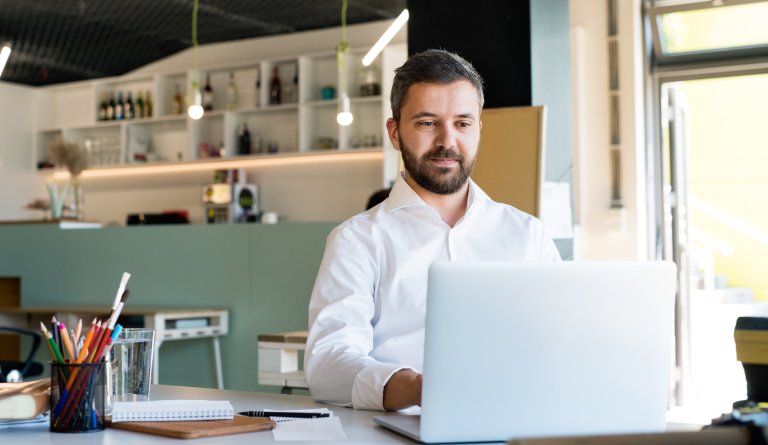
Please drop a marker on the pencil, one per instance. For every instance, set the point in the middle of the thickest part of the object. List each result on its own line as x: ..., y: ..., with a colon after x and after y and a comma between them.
x: 78, y: 331
x: 55, y: 349
x: 47, y: 343
x: 66, y: 341
x: 55, y: 331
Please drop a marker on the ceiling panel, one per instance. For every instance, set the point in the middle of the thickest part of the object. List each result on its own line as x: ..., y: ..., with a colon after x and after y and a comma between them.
x: 57, y: 41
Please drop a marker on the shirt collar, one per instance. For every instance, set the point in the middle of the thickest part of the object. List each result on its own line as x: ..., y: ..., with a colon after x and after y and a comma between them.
x: 402, y: 196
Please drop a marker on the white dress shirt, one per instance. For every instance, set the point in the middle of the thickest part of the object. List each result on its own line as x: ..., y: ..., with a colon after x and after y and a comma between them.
x: 367, y: 310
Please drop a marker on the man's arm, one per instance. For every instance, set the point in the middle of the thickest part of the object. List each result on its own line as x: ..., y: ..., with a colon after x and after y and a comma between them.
x: 403, y: 390
x: 337, y: 361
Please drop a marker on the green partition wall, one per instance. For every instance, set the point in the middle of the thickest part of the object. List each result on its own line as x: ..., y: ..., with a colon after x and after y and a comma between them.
x: 262, y: 273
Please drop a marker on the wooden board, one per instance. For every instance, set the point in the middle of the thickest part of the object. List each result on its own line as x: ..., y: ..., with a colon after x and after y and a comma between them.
x: 509, y: 165
x: 200, y: 428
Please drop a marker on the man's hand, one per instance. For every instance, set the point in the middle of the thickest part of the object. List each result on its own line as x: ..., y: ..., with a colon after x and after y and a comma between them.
x: 403, y: 390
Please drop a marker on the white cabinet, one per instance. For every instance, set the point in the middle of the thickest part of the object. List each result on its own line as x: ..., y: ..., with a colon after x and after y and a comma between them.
x: 304, y: 121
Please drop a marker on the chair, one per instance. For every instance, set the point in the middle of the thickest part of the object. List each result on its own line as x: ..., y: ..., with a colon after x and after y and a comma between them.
x: 28, y: 367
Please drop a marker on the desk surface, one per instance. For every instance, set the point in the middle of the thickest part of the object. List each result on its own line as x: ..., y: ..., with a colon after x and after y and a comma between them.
x: 358, y: 425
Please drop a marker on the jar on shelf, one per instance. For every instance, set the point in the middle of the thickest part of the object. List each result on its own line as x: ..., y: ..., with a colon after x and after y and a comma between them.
x: 369, y: 82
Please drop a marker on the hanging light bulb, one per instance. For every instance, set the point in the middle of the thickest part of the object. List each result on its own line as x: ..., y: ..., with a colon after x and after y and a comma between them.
x: 344, y: 118
x: 196, y: 110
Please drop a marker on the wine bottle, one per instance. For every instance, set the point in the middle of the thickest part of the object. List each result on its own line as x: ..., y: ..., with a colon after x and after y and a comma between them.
x: 103, y: 107
x: 231, y: 92
x: 257, y: 103
x: 177, y: 101
x: 129, y: 111
x: 119, y: 106
x: 111, y: 106
x: 275, y: 89
x: 140, y: 111
x: 244, y: 140
x: 148, y: 105
x: 208, y: 94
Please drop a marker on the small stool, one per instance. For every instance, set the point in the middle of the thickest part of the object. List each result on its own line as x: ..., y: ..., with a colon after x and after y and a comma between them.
x: 279, y: 360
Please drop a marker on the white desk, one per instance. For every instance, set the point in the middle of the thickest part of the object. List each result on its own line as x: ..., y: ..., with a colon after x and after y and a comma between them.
x: 358, y: 425
x: 169, y: 324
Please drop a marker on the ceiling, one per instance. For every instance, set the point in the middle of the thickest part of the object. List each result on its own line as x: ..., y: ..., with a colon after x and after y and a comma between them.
x: 55, y: 41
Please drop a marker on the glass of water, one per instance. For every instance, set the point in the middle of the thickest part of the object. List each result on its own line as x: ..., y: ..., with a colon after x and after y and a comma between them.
x: 130, y: 366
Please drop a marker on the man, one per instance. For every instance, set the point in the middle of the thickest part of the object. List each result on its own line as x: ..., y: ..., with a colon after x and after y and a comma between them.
x: 367, y: 310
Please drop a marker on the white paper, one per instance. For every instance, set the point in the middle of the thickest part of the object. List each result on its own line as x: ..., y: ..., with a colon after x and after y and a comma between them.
x: 323, y: 428
x: 35, y: 422
x: 555, y: 210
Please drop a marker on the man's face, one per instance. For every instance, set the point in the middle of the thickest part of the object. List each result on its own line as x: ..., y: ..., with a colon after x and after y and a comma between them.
x: 438, y: 134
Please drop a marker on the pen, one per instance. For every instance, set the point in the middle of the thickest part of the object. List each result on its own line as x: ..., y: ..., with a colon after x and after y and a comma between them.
x: 297, y: 415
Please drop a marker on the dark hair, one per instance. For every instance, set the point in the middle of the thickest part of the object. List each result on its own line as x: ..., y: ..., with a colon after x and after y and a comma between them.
x: 435, y: 66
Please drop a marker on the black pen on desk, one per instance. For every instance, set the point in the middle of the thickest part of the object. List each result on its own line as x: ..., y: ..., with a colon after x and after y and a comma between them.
x: 297, y: 415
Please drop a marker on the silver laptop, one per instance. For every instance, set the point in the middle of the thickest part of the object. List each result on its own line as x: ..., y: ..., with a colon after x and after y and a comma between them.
x: 520, y: 350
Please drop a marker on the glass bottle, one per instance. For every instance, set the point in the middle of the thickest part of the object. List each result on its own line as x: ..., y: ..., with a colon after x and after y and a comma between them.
x: 231, y: 92
x: 257, y: 103
x: 244, y: 140
x: 275, y: 88
x: 177, y: 101
x: 148, y: 105
x: 140, y: 112
x: 129, y: 111
x: 208, y: 94
x: 111, y: 106
x: 119, y: 106
x: 103, y: 107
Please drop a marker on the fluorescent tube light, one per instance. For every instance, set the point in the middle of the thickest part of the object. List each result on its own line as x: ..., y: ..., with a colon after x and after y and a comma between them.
x: 385, y: 38
x: 4, y: 53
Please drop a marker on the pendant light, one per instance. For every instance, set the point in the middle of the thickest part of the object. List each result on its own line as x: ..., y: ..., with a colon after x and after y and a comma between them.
x: 345, y: 117
x: 195, y: 99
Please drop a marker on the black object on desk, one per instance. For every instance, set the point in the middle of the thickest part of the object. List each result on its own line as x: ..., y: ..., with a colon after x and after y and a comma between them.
x: 296, y: 415
x: 751, y: 335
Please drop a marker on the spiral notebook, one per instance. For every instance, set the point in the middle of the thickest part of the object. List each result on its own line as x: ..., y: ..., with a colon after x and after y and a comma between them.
x: 172, y: 410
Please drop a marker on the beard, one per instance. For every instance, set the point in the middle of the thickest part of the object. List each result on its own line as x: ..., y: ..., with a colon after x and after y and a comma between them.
x: 436, y: 179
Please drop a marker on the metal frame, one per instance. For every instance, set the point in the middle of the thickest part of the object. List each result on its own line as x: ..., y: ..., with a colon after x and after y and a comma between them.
x: 659, y: 70
x: 655, y: 9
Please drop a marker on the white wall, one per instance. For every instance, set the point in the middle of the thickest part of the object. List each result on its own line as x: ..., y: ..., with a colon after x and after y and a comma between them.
x: 604, y: 233
x: 331, y: 191
x: 19, y: 183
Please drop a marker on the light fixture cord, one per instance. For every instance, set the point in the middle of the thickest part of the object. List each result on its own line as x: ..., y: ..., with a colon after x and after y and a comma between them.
x: 195, y: 80
x: 343, y: 47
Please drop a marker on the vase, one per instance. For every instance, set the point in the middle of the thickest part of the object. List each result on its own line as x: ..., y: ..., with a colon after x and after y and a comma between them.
x: 76, y: 198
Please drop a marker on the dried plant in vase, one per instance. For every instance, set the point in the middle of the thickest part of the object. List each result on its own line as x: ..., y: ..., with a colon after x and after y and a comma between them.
x: 70, y: 155
x: 74, y: 157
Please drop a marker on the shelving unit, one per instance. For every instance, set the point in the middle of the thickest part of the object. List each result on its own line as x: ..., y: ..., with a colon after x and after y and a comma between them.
x: 304, y: 122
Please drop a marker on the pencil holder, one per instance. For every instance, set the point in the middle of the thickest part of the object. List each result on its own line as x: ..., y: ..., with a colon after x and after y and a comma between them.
x: 77, y: 397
